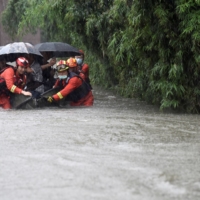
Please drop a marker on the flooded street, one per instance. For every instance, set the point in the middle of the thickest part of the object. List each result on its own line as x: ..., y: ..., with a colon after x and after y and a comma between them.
x: 118, y: 149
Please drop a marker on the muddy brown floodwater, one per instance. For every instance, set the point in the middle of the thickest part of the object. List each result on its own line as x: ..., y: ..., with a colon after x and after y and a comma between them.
x: 118, y: 149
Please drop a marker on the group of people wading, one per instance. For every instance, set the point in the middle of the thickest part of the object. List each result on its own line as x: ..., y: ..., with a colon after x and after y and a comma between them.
x: 28, y: 77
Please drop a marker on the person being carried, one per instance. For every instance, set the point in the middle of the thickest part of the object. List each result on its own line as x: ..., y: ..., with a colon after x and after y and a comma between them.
x: 9, y: 79
x: 34, y: 77
x: 83, y: 67
x: 47, y: 71
x: 72, y: 85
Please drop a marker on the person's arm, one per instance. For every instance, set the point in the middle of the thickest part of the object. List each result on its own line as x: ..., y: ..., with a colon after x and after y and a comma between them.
x: 51, y: 63
x: 8, y: 75
x: 74, y: 83
x: 85, y: 70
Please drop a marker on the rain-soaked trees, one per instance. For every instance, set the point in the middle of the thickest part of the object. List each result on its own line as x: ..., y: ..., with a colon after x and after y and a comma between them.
x: 143, y: 48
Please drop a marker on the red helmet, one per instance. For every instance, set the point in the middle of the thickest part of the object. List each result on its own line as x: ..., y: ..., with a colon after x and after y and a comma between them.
x: 61, y: 65
x: 23, y: 62
x: 71, y: 62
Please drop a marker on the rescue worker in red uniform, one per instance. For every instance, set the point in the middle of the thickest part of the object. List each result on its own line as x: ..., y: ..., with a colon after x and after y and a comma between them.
x: 8, y: 80
x: 83, y: 67
x: 73, y: 86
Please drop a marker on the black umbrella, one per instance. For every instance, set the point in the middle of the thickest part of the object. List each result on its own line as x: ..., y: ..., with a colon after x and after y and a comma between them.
x: 58, y: 49
x: 12, y: 51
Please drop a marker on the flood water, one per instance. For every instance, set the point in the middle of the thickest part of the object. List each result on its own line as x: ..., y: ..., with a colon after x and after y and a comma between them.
x: 119, y: 149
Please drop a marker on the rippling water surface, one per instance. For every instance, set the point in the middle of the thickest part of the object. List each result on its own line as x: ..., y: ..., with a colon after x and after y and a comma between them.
x: 117, y: 149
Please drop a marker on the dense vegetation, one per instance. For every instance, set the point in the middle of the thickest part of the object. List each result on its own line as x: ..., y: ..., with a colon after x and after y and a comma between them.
x: 147, y: 49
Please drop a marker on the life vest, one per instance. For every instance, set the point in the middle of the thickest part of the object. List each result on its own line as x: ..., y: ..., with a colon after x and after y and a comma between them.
x: 20, y: 81
x: 79, y: 92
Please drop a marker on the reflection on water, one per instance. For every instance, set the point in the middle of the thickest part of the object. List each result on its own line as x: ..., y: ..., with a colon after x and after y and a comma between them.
x: 117, y: 149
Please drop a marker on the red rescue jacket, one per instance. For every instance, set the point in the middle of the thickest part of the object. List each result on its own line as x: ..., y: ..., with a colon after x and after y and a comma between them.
x: 74, y: 87
x: 7, y: 81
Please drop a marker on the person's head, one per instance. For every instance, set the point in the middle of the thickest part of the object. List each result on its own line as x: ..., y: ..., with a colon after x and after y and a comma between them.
x: 21, y: 65
x: 80, y: 58
x: 72, y: 64
x: 62, y: 69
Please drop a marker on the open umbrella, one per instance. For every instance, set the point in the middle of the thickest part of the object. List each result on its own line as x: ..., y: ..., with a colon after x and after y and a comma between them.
x: 58, y: 49
x: 12, y: 51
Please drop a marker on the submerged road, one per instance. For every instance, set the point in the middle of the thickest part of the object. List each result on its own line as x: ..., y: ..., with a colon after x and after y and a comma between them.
x: 118, y: 149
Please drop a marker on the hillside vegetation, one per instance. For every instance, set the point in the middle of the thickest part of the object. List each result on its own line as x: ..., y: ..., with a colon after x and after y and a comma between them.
x: 146, y: 49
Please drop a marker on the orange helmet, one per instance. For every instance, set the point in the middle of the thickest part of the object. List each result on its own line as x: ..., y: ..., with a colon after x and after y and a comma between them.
x: 21, y: 61
x: 71, y: 62
x: 61, y: 65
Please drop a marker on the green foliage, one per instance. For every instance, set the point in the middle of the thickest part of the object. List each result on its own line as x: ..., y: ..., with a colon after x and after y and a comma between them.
x: 142, y: 48
x: 12, y: 16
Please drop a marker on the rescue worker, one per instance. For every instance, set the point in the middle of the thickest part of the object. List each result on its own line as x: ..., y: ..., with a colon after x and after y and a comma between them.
x: 20, y: 76
x: 83, y: 67
x: 77, y: 71
x: 8, y: 80
x: 73, y: 86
